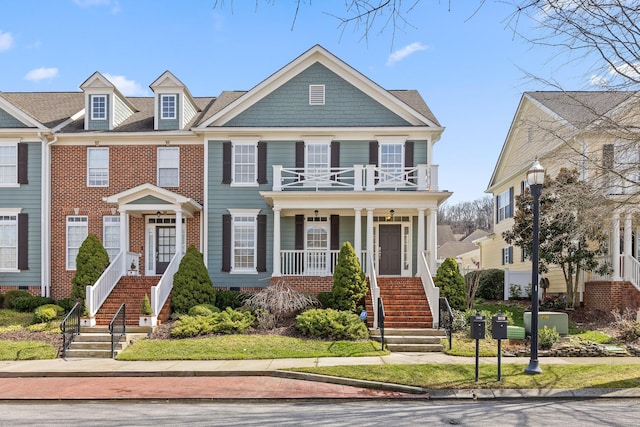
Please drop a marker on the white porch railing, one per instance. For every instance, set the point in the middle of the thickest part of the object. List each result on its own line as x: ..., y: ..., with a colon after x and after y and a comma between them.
x: 632, y: 271
x: 595, y: 276
x: 161, y: 291
x: 430, y: 290
x: 308, y: 262
x: 375, y: 290
x: 97, y: 294
x: 357, y: 178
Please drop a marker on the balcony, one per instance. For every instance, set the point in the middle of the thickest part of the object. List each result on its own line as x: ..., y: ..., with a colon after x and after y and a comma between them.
x: 356, y: 178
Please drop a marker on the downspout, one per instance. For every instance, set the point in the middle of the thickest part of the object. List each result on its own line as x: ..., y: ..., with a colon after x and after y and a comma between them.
x: 45, y: 217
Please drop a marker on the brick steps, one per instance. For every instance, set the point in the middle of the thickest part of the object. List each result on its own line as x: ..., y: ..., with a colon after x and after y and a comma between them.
x: 131, y: 291
x: 405, y: 303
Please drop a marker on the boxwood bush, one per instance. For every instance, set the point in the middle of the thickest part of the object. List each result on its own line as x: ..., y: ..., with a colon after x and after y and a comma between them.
x: 203, y: 310
x: 13, y: 294
x: 331, y: 324
x: 30, y: 302
x: 47, y: 313
x: 228, y: 321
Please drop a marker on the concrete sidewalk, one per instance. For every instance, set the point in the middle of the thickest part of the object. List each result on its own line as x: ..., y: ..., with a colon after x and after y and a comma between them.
x: 74, y: 379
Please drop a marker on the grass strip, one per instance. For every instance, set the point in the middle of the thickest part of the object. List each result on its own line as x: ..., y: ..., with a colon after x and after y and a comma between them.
x: 26, y: 350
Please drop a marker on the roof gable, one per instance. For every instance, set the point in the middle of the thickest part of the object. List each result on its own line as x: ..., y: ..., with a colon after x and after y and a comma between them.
x: 13, y: 117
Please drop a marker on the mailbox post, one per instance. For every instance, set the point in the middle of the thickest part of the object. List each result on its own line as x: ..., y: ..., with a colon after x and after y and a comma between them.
x: 478, y: 324
x: 499, y: 332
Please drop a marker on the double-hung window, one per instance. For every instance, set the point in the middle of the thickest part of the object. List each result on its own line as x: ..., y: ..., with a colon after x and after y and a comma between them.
x: 245, y: 171
x: 391, y: 163
x: 8, y: 164
x: 507, y: 255
x: 98, y: 167
x: 317, y: 162
x: 111, y: 235
x: 168, y: 106
x: 77, y: 231
x: 505, y: 205
x: 317, y: 244
x: 243, y: 242
x: 98, y: 107
x: 168, y: 166
x: 8, y: 242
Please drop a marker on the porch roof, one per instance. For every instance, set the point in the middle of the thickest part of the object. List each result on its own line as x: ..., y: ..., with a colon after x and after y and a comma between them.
x: 149, y: 198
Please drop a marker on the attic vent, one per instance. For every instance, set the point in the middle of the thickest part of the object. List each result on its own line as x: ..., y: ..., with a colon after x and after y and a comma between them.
x: 316, y: 94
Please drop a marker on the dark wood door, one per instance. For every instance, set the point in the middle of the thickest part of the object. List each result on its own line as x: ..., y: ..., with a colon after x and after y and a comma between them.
x: 165, y: 247
x: 390, y: 249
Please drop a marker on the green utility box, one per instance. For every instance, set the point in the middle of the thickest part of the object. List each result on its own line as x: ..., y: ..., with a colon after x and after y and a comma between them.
x: 515, y: 332
x: 550, y: 319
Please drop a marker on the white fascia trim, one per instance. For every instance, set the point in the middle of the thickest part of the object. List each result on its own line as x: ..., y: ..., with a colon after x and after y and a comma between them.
x: 10, y: 211
x: 245, y: 212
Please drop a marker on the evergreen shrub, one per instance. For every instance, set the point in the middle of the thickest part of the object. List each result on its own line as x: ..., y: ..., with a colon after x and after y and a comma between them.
x: 491, y: 285
x: 47, y: 313
x: 349, y: 284
x: 451, y: 284
x: 13, y: 294
x: 30, y: 303
x: 191, y: 283
x: 203, y: 310
x: 226, y: 298
x: 331, y: 324
x: 228, y: 321
x: 91, y: 262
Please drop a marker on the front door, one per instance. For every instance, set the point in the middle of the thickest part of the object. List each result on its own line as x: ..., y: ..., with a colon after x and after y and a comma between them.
x: 390, y: 249
x: 165, y: 247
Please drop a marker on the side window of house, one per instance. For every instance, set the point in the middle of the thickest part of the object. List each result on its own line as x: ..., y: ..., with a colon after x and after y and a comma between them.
x: 77, y: 231
x: 244, y: 241
x: 507, y: 255
x: 8, y: 242
x: 98, y: 107
x: 111, y: 235
x: 244, y: 163
x: 168, y: 106
x: 504, y: 205
x: 98, y: 166
x: 13, y: 164
x: 168, y: 166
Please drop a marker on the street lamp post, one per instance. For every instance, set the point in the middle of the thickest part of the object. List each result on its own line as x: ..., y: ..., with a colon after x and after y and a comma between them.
x: 535, y: 178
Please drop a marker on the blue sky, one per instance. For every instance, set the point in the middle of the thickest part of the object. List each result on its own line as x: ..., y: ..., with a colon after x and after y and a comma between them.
x: 466, y: 64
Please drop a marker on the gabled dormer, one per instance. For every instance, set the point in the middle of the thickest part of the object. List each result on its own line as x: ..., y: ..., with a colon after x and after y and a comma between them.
x: 174, y: 106
x: 105, y: 106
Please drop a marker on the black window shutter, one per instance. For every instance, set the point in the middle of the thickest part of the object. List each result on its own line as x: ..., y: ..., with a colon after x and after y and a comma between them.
x: 373, y: 153
x: 503, y: 256
x: 299, y: 231
x: 23, y: 241
x: 511, y: 207
x: 262, y: 162
x: 23, y: 150
x: 226, y: 162
x: 226, y: 242
x: 261, y: 260
x: 300, y: 157
x: 408, y: 154
x: 497, y: 206
x: 510, y: 254
x: 335, y: 232
x: 335, y: 154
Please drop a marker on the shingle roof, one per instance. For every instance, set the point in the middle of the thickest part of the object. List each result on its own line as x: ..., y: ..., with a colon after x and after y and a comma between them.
x: 413, y: 99
x: 48, y: 108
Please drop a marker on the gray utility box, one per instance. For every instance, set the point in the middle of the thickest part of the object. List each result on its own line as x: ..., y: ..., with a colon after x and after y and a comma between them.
x: 550, y: 319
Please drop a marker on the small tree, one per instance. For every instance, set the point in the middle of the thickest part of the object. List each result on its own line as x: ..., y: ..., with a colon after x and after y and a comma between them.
x: 191, y: 283
x: 451, y: 284
x: 91, y: 261
x: 349, y: 284
x: 472, y: 280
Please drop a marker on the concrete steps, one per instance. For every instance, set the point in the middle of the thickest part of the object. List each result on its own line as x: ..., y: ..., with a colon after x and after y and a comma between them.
x: 415, y: 340
x: 95, y: 342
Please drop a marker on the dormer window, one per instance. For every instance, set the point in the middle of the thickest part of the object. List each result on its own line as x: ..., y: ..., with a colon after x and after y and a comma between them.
x: 98, y: 107
x: 316, y: 94
x: 168, y: 103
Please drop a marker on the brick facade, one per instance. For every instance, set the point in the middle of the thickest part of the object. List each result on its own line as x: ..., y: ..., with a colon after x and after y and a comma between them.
x: 609, y: 296
x: 129, y: 166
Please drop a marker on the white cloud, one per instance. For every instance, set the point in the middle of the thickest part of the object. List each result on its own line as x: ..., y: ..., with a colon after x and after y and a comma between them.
x: 126, y: 86
x: 115, y: 5
x: 6, y: 41
x: 41, y: 74
x: 400, y: 54
x: 599, y: 81
x: 630, y: 70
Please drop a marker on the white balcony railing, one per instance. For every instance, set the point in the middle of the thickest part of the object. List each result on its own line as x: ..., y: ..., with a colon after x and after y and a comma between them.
x: 308, y: 262
x: 357, y: 178
x: 161, y: 291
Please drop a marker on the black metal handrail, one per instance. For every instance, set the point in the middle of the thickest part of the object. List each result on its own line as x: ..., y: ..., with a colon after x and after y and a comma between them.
x: 446, y: 319
x: 118, y: 327
x: 70, y: 326
x: 381, y: 320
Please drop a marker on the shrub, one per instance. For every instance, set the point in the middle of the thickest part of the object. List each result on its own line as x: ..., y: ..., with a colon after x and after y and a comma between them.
x: 146, y: 306
x: 233, y: 299
x: 47, y: 313
x: 331, y: 324
x: 264, y: 319
x: 326, y: 299
x: 30, y: 303
x: 547, y: 337
x: 349, y: 285
x: 626, y: 326
x: 66, y: 303
x: 491, y: 285
x: 191, y: 283
x: 281, y: 300
x: 228, y: 321
x: 91, y: 261
x: 11, y: 295
x: 1, y: 300
x: 515, y: 291
x: 451, y: 284
x: 203, y: 310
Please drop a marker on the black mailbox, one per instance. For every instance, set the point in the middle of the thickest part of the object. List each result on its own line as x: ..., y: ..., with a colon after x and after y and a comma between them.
x: 499, y: 327
x: 478, y: 324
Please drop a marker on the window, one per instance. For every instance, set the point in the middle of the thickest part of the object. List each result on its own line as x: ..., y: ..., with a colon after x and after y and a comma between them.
x: 8, y: 163
x: 507, y: 255
x: 505, y: 205
x: 316, y: 95
x: 317, y: 162
x: 243, y: 242
x: 168, y: 106
x: 77, y: 231
x: 98, y: 107
x: 244, y: 163
x: 317, y: 243
x: 391, y: 163
x: 98, y: 167
x: 8, y: 242
x: 168, y: 166
x: 111, y: 235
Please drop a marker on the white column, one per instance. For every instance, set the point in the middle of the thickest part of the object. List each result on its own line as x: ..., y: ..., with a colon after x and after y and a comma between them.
x: 628, y: 230
x: 357, y: 232
x: 432, y: 239
x: 179, y: 227
x: 124, y: 239
x: 420, y: 240
x: 370, y: 252
x: 276, y: 243
x: 615, y: 246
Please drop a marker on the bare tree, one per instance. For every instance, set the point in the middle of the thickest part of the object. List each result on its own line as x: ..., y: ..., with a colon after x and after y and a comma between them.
x: 465, y: 217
